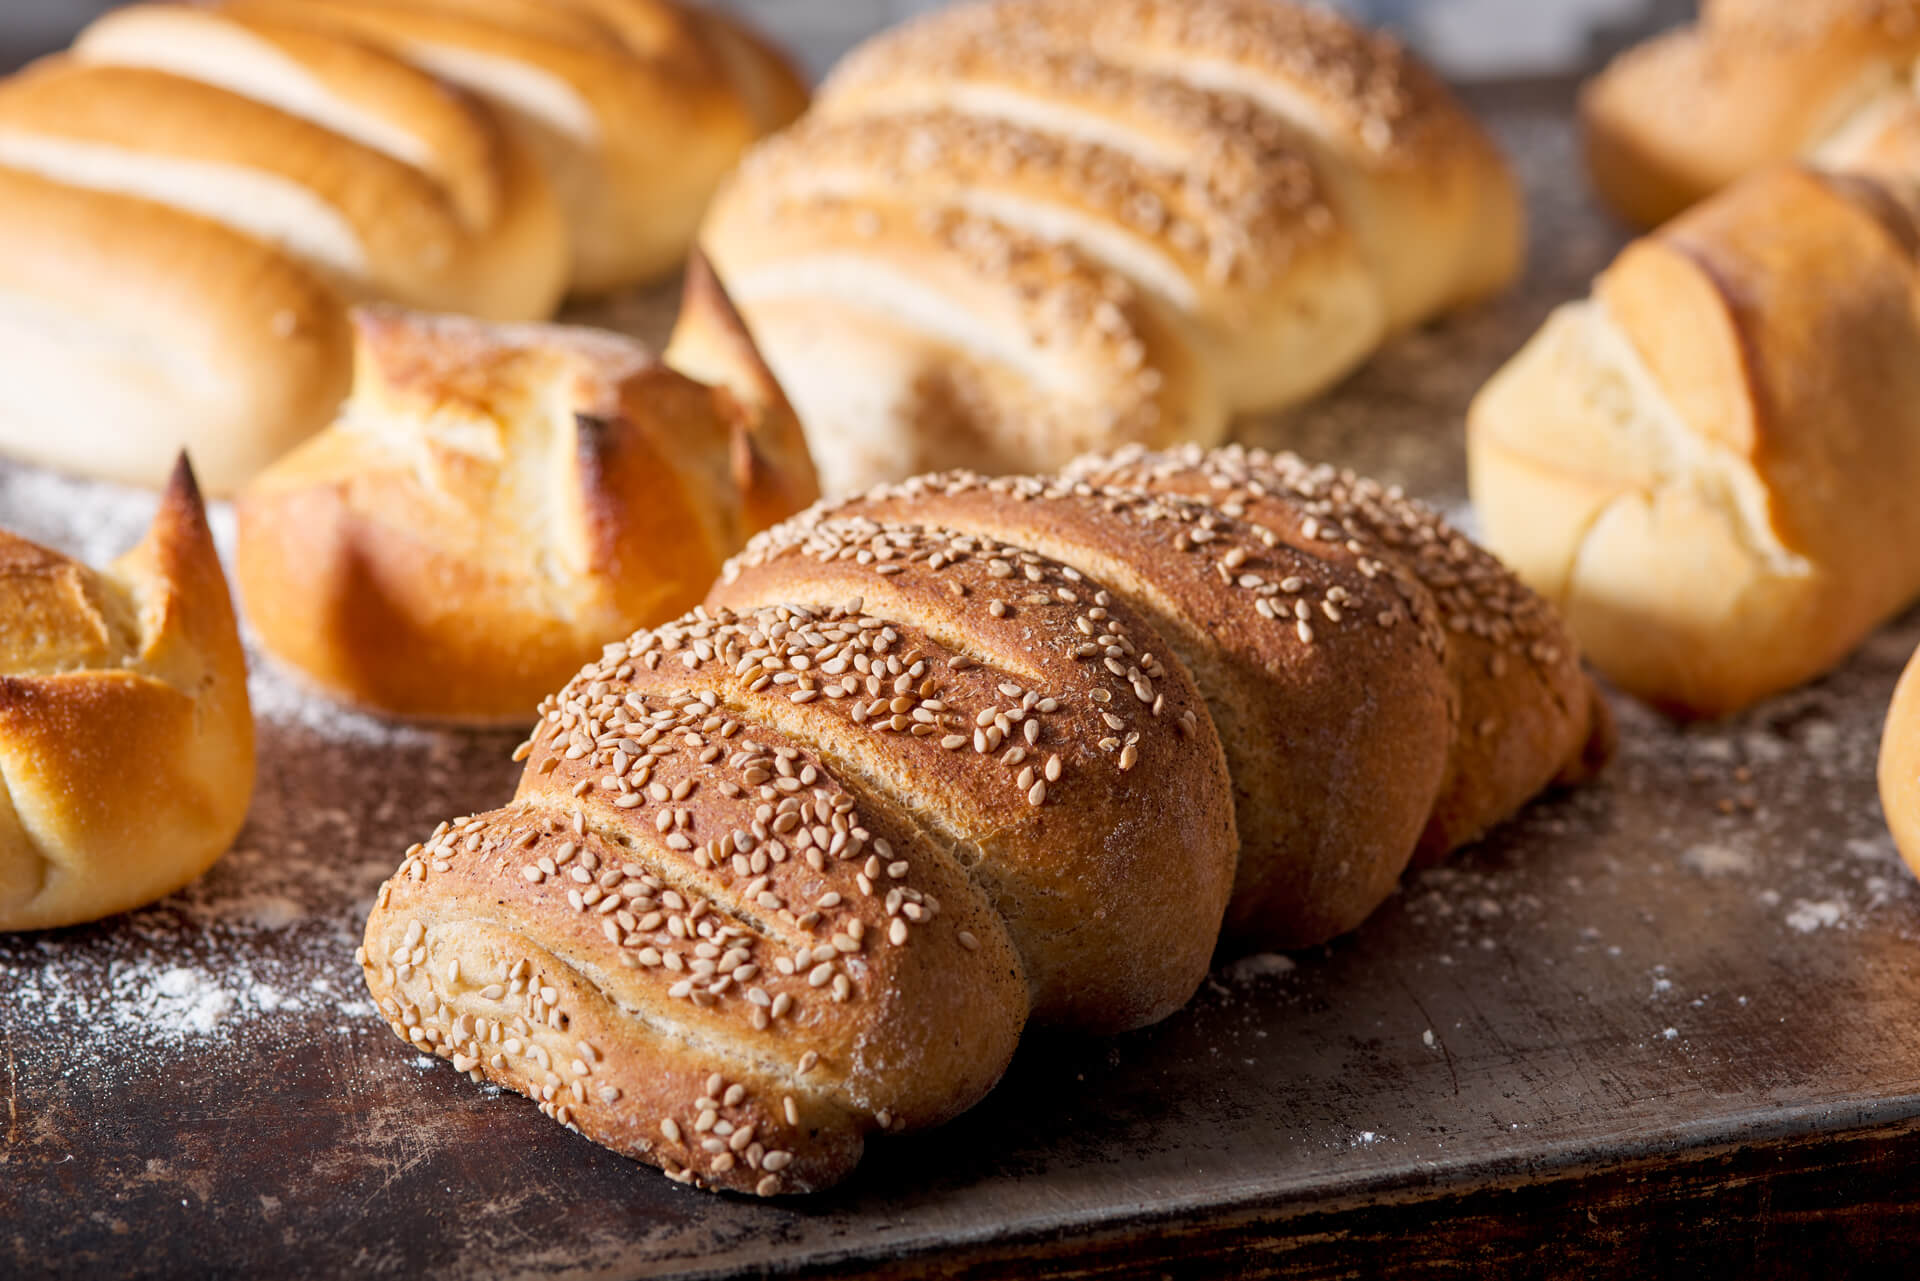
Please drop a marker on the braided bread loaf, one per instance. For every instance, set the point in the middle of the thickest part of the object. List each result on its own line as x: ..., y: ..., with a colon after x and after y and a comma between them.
x: 955, y: 756
x: 1037, y: 227
x: 191, y: 197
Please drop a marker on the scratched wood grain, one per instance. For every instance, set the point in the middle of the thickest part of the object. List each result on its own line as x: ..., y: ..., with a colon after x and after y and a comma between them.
x: 1665, y: 1023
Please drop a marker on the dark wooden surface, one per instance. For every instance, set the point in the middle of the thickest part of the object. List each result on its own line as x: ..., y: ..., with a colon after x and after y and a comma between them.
x: 1664, y: 1024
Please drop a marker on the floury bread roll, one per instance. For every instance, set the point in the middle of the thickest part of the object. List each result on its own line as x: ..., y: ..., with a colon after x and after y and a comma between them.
x: 1755, y: 83
x: 961, y: 755
x: 194, y: 195
x: 126, y: 741
x: 496, y: 502
x: 1010, y: 232
x: 1710, y: 465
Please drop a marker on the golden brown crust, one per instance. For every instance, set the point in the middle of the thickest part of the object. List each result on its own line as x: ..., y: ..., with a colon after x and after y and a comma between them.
x: 1306, y: 642
x: 494, y: 503
x: 131, y: 330
x: 400, y: 236
x: 1525, y: 715
x: 140, y: 664
x: 632, y: 111
x: 763, y: 799
x: 1107, y: 756
x: 1751, y: 84
x: 942, y: 758
x: 1283, y: 188
x: 1720, y: 395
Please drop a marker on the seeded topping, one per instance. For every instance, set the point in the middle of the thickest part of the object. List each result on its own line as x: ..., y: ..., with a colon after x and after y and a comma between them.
x: 1360, y: 82
x: 1087, y: 318
x: 1237, y: 222
x: 1475, y: 594
x: 1306, y: 576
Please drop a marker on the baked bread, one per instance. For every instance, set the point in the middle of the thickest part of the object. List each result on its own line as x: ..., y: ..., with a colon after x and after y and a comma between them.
x: 636, y: 108
x: 1900, y: 766
x: 1709, y: 465
x: 126, y: 741
x: 192, y: 197
x: 495, y: 503
x: 1379, y: 684
x: 1010, y: 232
x: 1754, y: 83
x: 798, y: 868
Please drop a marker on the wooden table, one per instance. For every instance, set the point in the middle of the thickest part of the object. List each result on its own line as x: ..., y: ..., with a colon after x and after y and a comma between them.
x: 1665, y: 1023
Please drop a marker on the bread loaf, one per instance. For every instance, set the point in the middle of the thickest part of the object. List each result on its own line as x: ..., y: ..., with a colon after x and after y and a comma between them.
x: 1014, y: 231
x: 636, y: 108
x: 195, y: 194
x: 496, y: 502
x: 1709, y: 466
x: 126, y: 741
x: 796, y: 869
x: 1754, y: 83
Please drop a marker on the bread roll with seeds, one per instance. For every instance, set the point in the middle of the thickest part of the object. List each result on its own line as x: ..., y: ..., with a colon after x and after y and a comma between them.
x: 962, y: 753
x: 495, y: 502
x: 1754, y: 83
x: 126, y: 741
x: 843, y: 872
x: 1380, y: 685
x: 636, y: 108
x: 1038, y: 227
x: 1709, y: 465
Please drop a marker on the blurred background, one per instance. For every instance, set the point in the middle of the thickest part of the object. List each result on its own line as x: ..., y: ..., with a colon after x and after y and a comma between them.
x: 1469, y: 39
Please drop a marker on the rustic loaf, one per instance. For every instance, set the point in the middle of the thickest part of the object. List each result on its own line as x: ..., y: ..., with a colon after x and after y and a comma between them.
x: 796, y: 869
x: 496, y: 502
x: 1709, y: 466
x: 195, y: 194
x: 1014, y: 231
x: 1754, y: 83
x: 126, y: 739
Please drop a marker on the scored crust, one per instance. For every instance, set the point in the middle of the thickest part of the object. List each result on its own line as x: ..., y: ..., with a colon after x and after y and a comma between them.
x: 141, y: 663
x: 876, y: 965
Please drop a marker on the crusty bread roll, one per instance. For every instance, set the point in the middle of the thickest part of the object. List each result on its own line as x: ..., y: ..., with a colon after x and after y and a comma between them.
x: 1710, y: 465
x: 195, y: 194
x: 637, y: 108
x: 1900, y: 766
x: 1753, y: 83
x: 1013, y: 231
x: 130, y: 329
x: 126, y: 741
x: 797, y: 869
x: 495, y: 503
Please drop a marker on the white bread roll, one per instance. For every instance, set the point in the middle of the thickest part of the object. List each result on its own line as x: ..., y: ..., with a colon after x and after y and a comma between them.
x: 1013, y: 231
x: 126, y: 740
x: 1710, y: 466
x: 636, y: 108
x: 197, y: 193
x: 1753, y: 83
x: 495, y: 502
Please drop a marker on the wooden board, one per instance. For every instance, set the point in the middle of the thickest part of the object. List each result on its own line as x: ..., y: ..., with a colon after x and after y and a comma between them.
x: 1667, y: 1022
